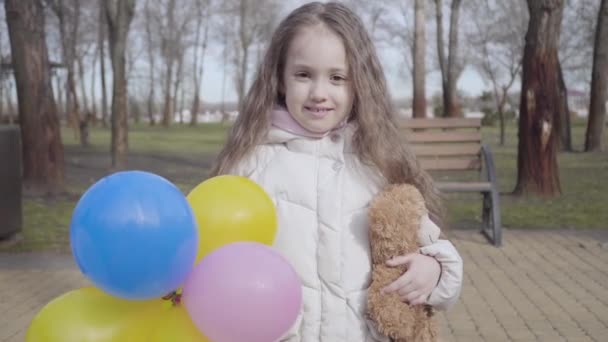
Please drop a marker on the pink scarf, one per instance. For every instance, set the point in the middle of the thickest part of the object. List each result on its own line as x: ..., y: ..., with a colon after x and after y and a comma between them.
x: 282, y: 119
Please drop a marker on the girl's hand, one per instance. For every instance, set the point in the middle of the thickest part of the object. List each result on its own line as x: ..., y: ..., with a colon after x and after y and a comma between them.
x: 417, y: 283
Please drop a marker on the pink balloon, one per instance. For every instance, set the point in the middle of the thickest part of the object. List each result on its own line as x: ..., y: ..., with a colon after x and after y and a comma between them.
x: 243, y: 291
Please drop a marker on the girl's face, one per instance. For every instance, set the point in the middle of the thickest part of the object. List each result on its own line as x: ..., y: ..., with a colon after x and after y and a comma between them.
x: 316, y: 82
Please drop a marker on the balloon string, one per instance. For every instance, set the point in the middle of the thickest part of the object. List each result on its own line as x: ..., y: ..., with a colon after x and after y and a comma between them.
x: 174, y: 297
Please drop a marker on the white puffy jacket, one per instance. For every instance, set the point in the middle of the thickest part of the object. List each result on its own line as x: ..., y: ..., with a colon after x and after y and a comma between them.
x: 321, y: 192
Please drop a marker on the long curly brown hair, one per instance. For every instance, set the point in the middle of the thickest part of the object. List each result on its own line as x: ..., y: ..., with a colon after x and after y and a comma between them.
x: 377, y: 140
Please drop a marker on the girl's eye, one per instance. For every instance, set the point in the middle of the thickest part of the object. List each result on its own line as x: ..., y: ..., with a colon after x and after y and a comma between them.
x: 301, y: 74
x: 338, y: 78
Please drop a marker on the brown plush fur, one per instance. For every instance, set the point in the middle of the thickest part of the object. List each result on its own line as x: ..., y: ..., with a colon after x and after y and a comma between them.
x: 394, y: 219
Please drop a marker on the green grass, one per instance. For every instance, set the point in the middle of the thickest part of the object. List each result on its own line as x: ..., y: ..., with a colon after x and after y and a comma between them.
x: 177, y: 139
x: 176, y: 151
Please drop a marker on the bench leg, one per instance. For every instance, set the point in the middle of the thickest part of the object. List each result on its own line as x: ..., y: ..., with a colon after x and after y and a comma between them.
x: 491, y: 218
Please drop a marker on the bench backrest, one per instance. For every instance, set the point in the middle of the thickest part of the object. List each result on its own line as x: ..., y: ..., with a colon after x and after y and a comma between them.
x: 444, y: 143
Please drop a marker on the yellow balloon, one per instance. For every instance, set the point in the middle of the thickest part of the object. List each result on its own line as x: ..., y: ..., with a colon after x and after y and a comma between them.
x: 230, y: 209
x: 174, y: 324
x: 89, y: 315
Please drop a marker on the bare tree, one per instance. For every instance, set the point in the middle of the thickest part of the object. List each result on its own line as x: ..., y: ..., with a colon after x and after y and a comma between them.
x: 562, y: 121
x: 419, y: 102
x: 68, y: 13
x: 43, y: 159
x: 172, y: 22
x: 92, y: 85
x: 101, y: 41
x: 599, y: 83
x: 169, y: 40
x: 576, y: 40
x: 537, y: 170
x: 179, y: 74
x: 450, y: 70
x: 203, y: 16
x: 119, y: 14
x: 497, y: 47
x: 254, y: 20
x: 395, y: 29
x: 83, y: 94
x: 576, y: 58
x: 151, y: 106
x: 372, y: 12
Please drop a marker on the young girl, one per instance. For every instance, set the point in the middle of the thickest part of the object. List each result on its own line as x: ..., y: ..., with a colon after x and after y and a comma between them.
x: 317, y: 132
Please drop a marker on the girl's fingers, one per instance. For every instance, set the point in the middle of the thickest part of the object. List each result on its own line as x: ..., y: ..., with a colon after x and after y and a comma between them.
x: 400, y: 260
x: 402, y: 281
x: 419, y: 301
x: 408, y: 288
x: 412, y: 296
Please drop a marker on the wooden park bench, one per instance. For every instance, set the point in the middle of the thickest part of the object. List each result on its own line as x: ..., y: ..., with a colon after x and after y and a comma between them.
x: 454, y: 145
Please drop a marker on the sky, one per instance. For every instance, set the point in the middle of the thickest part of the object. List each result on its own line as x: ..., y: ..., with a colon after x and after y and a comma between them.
x: 400, y: 85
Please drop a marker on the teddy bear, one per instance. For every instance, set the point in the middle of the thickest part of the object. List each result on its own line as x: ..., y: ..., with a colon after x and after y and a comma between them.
x: 395, y: 216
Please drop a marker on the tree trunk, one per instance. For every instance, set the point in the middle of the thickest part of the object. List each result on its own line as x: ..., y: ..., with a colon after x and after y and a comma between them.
x: 12, y: 113
x: 537, y: 169
x: 501, y: 113
x: 169, y: 55
x: 181, y: 104
x: 85, y: 101
x: 152, y: 79
x: 419, y: 102
x: 101, y: 40
x: 441, y: 53
x: 43, y: 159
x: 176, y: 86
x: 599, y: 84
x: 86, y: 118
x: 449, y: 67
x: 245, y: 43
x: 199, y: 68
x: 119, y: 14
x: 2, y: 80
x: 168, y: 106
x: 92, y: 90
x: 3, y: 95
x: 69, y: 19
x: 451, y: 104
x: 72, y: 98
x: 60, y: 102
x: 563, y: 117
x: 243, y: 75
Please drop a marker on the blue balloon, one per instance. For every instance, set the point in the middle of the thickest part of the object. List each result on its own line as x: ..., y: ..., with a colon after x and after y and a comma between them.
x: 134, y: 235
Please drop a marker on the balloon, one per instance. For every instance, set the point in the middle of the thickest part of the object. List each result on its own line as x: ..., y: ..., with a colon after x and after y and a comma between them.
x: 230, y: 209
x: 244, y: 291
x: 174, y: 324
x: 89, y: 315
x: 134, y: 235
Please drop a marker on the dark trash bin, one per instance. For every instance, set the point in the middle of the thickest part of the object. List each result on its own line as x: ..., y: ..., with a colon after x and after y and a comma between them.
x: 10, y: 181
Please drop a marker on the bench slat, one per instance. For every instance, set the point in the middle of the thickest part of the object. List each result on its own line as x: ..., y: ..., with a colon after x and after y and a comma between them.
x: 434, y: 164
x: 441, y: 150
x: 464, y: 187
x: 440, y: 123
x: 432, y: 137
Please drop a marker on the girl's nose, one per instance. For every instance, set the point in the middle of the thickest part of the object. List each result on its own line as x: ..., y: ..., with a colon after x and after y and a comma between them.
x: 318, y: 92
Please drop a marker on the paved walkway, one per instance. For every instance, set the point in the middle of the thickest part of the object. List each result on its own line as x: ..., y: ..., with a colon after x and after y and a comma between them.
x: 541, y: 286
